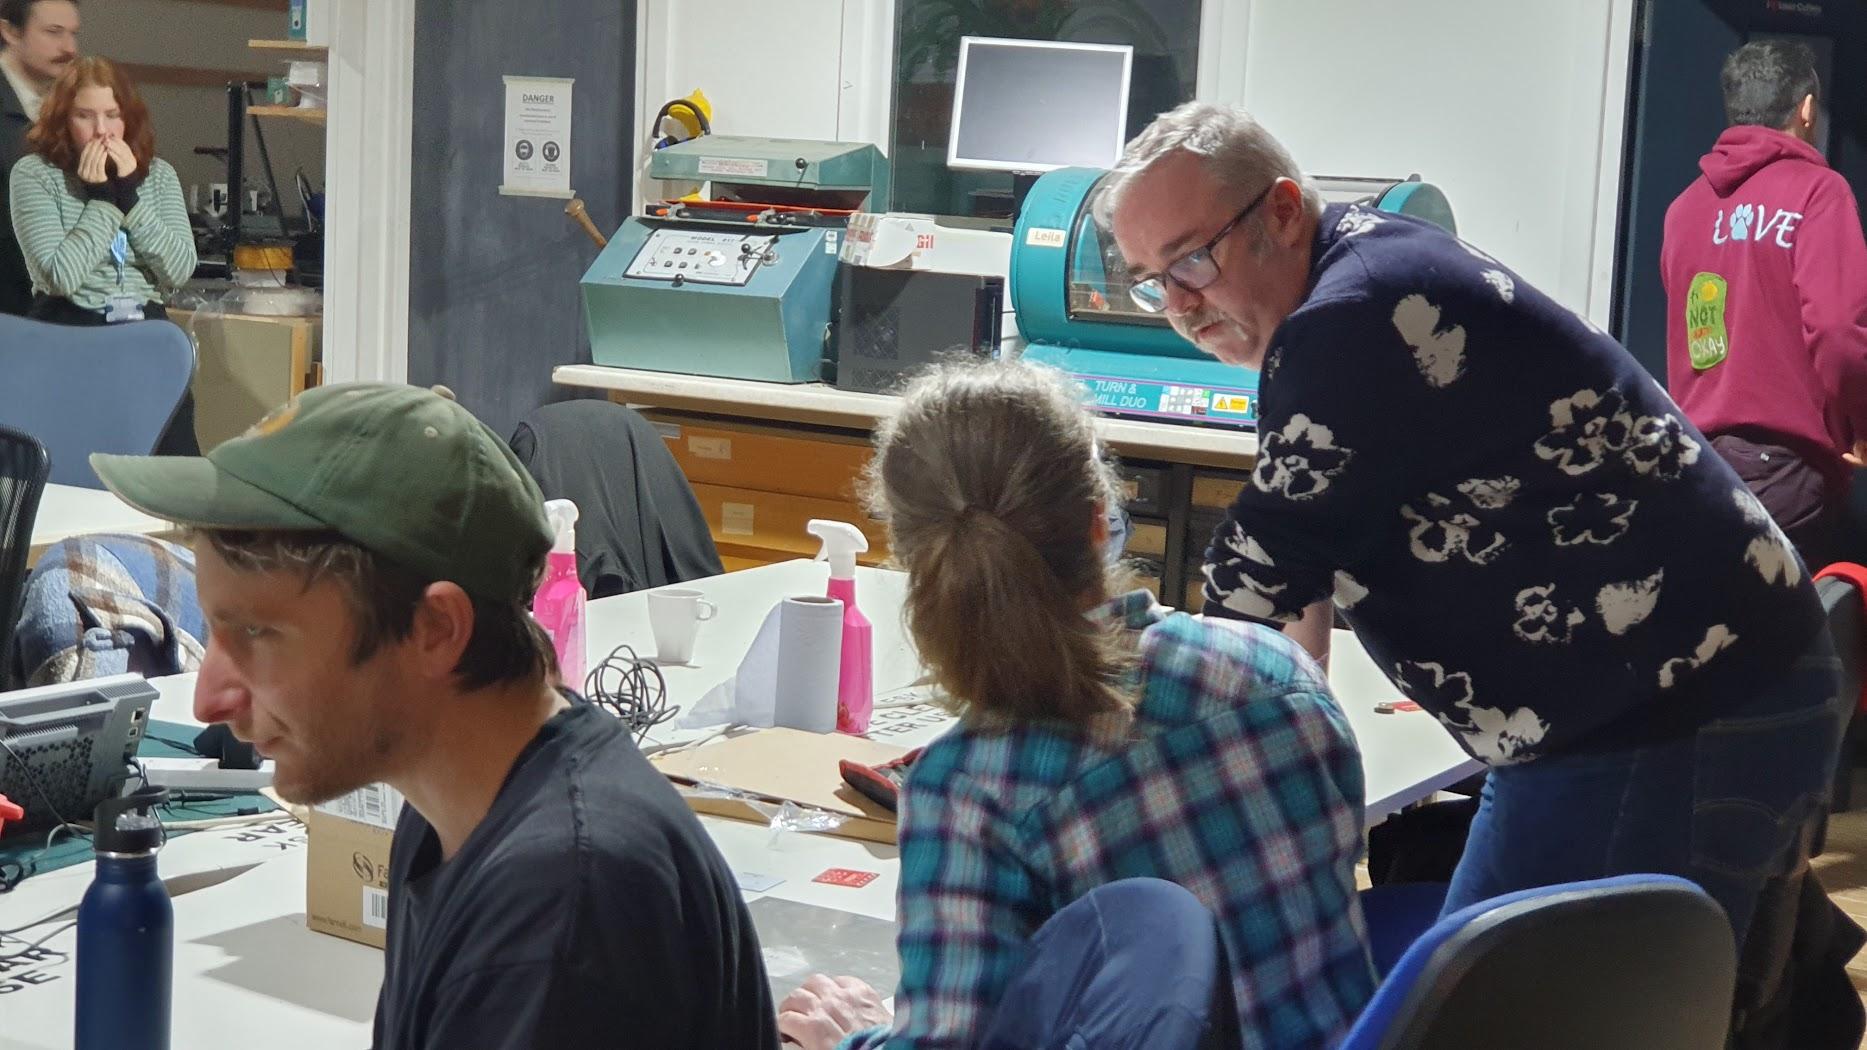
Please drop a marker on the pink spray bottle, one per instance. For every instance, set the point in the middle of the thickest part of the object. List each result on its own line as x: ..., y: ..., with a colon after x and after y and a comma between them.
x: 559, y: 605
x: 855, y: 684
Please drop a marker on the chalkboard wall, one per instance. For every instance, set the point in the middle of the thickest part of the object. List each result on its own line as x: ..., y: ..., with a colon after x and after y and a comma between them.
x: 493, y: 298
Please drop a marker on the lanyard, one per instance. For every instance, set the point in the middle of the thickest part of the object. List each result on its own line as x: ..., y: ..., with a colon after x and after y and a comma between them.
x: 120, y: 252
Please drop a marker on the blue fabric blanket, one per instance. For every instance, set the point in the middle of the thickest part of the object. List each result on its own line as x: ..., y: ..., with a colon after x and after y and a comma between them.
x: 106, y: 604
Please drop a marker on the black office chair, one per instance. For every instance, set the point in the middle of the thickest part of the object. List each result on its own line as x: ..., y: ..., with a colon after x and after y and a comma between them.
x: 1847, y: 625
x: 23, y: 469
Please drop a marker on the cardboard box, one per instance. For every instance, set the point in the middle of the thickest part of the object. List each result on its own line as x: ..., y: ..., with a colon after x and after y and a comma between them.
x: 347, y: 864
x: 772, y: 766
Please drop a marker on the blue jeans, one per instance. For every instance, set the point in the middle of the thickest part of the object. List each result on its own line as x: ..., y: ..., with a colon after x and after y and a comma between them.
x: 1729, y: 806
x: 1130, y: 965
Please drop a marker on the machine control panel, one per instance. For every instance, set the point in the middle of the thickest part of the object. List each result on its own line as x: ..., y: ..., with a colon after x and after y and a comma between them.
x: 701, y: 256
x: 1213, y: 406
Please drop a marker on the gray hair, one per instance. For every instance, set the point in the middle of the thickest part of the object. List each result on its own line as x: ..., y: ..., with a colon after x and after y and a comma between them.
x: 1236, y: 150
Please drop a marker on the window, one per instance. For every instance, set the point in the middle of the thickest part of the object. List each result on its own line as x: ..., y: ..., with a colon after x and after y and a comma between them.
x: 1164, y: 34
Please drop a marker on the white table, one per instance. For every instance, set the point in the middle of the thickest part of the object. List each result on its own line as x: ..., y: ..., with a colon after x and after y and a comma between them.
x: 246, y: 963
x: 68, y: 510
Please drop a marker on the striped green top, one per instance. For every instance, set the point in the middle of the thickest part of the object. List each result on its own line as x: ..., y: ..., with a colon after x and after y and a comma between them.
x: 66, y: 238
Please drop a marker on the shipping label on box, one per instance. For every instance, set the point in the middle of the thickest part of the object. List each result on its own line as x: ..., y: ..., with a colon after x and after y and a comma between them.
x: 347, y: 865
x: 378, y: 805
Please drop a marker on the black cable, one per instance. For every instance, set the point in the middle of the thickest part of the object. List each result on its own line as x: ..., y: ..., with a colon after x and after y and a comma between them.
x: 187, y: 749
x: 632, y: 689
x: 38, y: 944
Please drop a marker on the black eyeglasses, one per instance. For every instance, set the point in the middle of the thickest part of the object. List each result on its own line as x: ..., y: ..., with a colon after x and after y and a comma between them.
x: 1193, y: 271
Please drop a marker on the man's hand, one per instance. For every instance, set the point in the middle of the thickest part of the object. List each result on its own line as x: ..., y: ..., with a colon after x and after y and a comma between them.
x: 123, y: 155
x: 91, y: 163
x: 1858, y: 457
x: 826, y: 1009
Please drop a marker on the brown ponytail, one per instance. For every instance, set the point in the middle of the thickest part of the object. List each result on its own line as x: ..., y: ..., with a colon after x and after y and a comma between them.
x: 989, y: 483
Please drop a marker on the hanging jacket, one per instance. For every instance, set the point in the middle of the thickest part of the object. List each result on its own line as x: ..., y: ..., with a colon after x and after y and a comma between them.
x: 638, y: 523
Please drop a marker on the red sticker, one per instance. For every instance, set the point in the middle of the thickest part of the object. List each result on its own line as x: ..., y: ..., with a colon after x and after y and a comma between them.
x: 1406, y: 705
x: 846, y: 877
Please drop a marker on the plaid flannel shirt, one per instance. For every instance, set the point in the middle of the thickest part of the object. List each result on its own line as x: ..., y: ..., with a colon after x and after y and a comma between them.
x: 1237, y: 778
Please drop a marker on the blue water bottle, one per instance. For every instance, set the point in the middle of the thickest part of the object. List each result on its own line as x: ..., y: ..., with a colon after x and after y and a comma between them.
x: 126, y: 932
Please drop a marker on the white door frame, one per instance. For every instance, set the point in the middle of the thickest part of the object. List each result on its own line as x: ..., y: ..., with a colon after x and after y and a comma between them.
x: 366, y: 186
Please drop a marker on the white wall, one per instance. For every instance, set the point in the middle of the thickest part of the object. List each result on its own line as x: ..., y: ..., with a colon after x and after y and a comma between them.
x: 372, y: 81
x: 1515, y: 109
x: 210, y: 36
x: 806, y: 69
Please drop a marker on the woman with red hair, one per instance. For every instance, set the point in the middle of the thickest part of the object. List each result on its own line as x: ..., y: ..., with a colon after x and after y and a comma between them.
x: 100, y: 219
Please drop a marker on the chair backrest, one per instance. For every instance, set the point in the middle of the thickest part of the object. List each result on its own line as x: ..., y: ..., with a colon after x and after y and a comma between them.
x: 1635, y: 962
x: 1847, y: 625
x: 111, y: 388
x: 22, y: 479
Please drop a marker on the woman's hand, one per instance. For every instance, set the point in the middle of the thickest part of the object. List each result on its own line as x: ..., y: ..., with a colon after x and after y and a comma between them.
x: 826, y: 1009
x: 91, y: 162
x: 123, y: 155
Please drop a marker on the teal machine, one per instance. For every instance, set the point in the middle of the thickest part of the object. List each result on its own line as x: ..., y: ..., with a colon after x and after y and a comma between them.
x: 1069, y: 287
x: 737, y: 284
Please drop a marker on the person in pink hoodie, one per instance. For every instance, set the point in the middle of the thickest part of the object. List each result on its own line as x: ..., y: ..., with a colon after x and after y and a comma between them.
x: 1765, y: 270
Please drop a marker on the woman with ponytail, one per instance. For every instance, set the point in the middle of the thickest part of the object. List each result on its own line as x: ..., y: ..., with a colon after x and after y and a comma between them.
x: 1100, y: 737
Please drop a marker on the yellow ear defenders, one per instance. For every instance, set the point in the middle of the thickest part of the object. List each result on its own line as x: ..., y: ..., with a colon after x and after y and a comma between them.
x: 693, y: 113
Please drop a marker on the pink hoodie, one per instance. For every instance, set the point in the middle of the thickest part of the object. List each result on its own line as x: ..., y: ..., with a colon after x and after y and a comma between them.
x: 1765, y: 271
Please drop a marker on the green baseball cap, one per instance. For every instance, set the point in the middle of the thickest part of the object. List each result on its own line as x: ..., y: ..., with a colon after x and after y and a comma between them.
x: 400, y: 470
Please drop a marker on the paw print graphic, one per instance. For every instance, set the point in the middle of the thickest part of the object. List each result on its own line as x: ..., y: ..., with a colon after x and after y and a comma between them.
x: 1742, y: 217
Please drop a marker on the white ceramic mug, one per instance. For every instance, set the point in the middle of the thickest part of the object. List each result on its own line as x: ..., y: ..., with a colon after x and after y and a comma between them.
x: 675, y: 617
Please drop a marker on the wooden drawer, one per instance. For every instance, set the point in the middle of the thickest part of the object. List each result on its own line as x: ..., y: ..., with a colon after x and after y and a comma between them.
x: 1217, y: 491
x: 749, y: 557
x: 747, y: 520
x: 1146, y: 538
x: 765, y: 458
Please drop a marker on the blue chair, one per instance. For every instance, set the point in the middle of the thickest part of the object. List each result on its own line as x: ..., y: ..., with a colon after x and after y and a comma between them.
x: 1847, y: 625
x: 1634, y: 962
x: 1131, y: 965
x: 1397, y: 914
x: 112, y: 388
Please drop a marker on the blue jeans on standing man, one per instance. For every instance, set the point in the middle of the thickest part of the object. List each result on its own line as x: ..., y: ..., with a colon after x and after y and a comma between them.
x: 1730, y: 806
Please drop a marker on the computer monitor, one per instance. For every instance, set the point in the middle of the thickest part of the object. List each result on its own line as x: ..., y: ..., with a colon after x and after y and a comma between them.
x: 69, y: 746
x: 1035, y: 105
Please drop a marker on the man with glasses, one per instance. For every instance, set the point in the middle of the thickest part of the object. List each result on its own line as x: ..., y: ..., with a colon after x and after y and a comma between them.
x: 1525, y: 532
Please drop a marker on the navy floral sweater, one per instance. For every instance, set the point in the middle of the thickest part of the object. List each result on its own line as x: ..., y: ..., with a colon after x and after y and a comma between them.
x: 1524, y: 530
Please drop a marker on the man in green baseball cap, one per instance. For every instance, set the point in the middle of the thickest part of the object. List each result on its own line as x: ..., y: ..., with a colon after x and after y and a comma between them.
x: 366, y: 557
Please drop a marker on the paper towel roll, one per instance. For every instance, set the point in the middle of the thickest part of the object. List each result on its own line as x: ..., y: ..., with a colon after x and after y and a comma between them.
x: 810, y: 658
x: 789, y: 675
